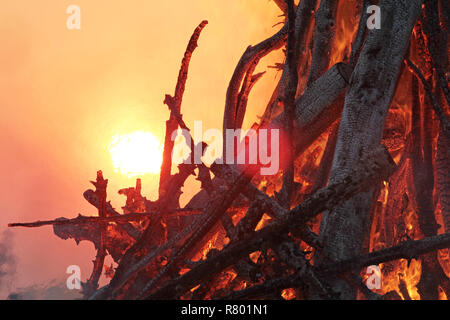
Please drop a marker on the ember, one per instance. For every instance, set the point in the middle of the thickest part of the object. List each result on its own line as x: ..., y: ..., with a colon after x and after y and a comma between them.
x: 360, y: 206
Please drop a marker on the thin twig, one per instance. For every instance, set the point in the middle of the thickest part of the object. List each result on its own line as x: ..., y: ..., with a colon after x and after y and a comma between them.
x: 134, y: 216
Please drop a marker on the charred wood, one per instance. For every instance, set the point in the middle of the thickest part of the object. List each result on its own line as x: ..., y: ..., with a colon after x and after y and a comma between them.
x: 366, y: 104
x: 377, y: 165
x: 323, y: 39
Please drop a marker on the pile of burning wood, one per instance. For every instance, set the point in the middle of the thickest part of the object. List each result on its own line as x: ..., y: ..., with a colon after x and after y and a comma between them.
x: 364, y: 177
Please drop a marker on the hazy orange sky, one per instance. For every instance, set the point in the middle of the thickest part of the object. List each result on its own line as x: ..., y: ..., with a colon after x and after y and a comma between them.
x: 65, y: 93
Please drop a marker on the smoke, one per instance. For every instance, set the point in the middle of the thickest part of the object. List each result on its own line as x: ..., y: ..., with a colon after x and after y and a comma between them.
x: 7, y: 261
x: 54, y: 290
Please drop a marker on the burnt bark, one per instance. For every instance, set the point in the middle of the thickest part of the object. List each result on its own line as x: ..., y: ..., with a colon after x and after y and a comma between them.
x: 323, y: 38
x: 317, y: 109
x: 343, y: 230
x: 443, y: 176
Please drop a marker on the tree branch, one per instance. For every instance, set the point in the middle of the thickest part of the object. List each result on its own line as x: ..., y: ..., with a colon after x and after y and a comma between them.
x: 378, y: 165
x: 174, y: 103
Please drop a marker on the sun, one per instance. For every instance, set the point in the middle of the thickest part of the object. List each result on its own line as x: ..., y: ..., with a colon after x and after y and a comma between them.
x: 136, y: 153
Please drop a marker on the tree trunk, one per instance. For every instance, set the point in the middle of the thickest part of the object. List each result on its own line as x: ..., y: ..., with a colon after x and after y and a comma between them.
x: 372, y: 86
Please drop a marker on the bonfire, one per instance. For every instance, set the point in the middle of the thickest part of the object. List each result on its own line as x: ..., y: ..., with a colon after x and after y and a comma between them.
x: 360, y: 205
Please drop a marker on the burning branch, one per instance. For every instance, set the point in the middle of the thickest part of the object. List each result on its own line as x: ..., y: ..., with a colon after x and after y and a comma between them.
x: 378, y: 165
x: 367, y: 101
x: 408, y: 250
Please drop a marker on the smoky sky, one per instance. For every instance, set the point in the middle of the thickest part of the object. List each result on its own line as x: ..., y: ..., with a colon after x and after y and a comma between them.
x: 7, y: 260
x: 65, y: 93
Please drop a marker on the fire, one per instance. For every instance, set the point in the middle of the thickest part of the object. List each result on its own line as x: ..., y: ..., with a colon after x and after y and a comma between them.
x: 395, y: 212
x: 288, y: 294
x: 136, y: 153
x: 347, y: 22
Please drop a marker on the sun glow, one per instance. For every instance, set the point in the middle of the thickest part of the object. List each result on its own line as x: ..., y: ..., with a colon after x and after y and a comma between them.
x: 136, y: 153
